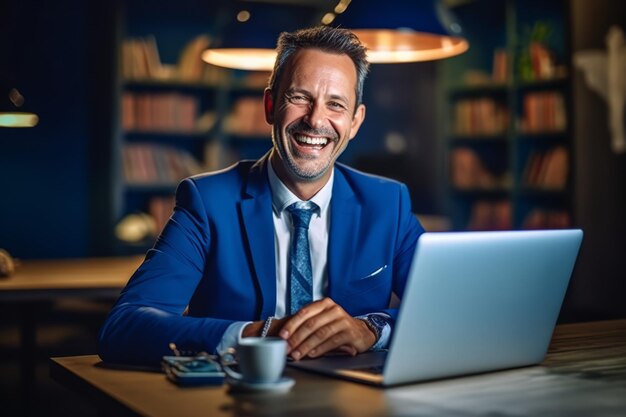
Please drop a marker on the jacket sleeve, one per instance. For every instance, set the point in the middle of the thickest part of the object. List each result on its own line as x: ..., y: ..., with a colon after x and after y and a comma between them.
x: 149, y: 313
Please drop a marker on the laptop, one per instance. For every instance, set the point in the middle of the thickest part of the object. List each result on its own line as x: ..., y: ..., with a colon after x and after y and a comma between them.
x: 474, y: 302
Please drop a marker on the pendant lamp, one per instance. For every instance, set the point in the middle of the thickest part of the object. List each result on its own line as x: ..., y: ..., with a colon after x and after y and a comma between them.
x: 393, y: 31
x: 402, y: 31
x: 248, y: 31
x: 11, y: 111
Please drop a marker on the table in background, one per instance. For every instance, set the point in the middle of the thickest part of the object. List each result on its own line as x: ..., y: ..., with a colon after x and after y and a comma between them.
x: 40, y: 281
x: 584, y: 374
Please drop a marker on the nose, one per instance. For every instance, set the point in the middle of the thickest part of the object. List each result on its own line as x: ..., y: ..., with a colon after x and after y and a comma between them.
x: 315, y: 116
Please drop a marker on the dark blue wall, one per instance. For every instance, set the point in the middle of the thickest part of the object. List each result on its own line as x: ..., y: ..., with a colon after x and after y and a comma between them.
x: 43, y: 170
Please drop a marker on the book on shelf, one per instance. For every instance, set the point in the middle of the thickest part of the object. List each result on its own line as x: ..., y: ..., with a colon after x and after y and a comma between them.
x: 491, y: 215
x: 149, y: 164
x: 543, y: 111
x: 190, y: 64
x: 469, y: 172
x: 500, y: 69
x: 247, y: 118
x: 163, y: 112
x: 141, y: 61
x: 480, y: 116
x: 160, y: 209
x: 547, y: 169
x: 547, y: 219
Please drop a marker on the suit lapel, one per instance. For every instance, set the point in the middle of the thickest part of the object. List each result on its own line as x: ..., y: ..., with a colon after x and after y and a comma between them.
x: 256, y: 210
x: 345, y: 216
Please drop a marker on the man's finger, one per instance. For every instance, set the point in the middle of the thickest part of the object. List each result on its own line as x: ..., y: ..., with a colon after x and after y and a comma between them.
x: 326, y: 337
x: 300, y: 317
x: 339, y: 343
x: 316, y: 329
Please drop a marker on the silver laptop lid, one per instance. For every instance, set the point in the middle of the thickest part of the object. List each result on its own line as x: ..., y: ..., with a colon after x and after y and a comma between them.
x: 480, y: 301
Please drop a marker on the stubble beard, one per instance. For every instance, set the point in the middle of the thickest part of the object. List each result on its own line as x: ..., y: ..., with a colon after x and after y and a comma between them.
x: 301, y: 173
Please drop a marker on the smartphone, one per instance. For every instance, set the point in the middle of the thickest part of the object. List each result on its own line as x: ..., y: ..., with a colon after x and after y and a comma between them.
x: 192, y: 370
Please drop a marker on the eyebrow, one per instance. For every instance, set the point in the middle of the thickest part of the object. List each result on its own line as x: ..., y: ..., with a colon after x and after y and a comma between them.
x: 307, y: 93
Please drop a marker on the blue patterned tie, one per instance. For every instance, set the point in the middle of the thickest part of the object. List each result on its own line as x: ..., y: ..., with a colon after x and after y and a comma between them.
x: 300, y: 275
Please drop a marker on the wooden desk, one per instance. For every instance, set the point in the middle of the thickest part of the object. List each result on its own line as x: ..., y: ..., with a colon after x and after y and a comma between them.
x: 584, y: 374
x: 39, y: 281
x: 50, y: 279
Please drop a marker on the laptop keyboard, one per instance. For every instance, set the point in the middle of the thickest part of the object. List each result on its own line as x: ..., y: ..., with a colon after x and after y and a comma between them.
x: 375, y: 370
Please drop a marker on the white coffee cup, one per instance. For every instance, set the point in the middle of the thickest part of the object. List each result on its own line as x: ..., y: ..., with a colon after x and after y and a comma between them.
x: 260, y: 359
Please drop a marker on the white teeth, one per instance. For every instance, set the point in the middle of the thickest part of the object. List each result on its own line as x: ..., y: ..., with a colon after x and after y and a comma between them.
x: 311, y: 141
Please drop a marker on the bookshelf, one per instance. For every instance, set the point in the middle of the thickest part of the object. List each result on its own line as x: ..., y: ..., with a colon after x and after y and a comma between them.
x: 177, y: 116
x: 506, y: 117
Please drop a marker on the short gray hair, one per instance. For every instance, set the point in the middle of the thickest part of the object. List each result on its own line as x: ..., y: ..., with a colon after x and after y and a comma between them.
x: 328, y: 39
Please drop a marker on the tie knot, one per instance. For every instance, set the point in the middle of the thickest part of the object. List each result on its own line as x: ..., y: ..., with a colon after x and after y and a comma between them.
x: 301, y: 213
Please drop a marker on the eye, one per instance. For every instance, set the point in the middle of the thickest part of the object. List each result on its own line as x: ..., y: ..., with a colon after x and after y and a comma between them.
x: 335, y: 105
x: 298, y: 99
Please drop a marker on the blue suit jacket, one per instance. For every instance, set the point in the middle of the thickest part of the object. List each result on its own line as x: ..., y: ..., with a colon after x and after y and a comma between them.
x: 215, y: 259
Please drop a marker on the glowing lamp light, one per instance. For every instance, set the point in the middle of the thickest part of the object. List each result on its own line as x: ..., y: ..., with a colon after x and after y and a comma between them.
x: 404, y: 31
x: 10, y: 114
x: 18, y: 119
x: 248, y: 38
x: 252, y: 59
x: 394, y: 32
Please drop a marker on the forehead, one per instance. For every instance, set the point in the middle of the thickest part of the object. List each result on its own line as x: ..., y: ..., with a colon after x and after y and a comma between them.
x: 310, y: 68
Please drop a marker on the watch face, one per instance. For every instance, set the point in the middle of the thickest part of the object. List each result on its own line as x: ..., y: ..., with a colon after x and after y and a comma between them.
x: 377, y: 321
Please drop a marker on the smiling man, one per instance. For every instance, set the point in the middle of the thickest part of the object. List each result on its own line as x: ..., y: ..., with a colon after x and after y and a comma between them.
x: 293, y: 245
x: 315, y: 116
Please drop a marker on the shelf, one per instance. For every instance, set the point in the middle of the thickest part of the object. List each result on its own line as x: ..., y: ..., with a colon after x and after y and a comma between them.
x: 140, y: 135
x: 465, y: 139
x: 552, y: 136
x: 170, y: 84
x: 511, y: 40
x: 249, y: 138
x: 528, y: 191
x: 490, y: 192
x: 463, y: 91
x: 175, y: 116
x: 226, y: 84
x: 547, y: 84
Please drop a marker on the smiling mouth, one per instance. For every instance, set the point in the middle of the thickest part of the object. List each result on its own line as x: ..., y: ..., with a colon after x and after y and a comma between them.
x: 309, y: 141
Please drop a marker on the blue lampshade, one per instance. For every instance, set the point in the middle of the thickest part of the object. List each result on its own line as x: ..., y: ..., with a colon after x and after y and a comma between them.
x: 246, y: 37
x: 404, y: 30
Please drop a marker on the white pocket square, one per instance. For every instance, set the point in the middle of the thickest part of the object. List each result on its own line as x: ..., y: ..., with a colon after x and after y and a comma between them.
x: 373, y: 274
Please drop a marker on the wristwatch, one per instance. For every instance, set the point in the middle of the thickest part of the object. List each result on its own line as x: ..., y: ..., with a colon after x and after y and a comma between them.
x: 376, y: 323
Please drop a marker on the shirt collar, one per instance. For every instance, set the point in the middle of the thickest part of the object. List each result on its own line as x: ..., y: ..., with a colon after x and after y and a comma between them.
x: 282, y: 197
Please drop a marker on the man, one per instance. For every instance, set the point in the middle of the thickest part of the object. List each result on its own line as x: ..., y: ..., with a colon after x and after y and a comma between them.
x: 236, y: 258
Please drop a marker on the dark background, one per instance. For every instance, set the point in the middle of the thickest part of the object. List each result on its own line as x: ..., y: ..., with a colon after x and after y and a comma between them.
x: 54, y: 180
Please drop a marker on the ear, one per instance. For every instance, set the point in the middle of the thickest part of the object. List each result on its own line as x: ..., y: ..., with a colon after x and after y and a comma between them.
x: 268, y: 104
x: 357, y: 120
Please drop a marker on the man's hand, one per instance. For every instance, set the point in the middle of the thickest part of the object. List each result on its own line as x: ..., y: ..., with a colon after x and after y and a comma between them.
x: 323, y: 326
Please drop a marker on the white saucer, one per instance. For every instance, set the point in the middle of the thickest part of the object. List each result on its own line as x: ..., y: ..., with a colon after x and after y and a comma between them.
x: 282, y: 385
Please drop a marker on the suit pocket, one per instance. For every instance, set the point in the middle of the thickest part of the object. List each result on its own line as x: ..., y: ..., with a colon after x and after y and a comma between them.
x: 375, y: 281
x: 373, y: 274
